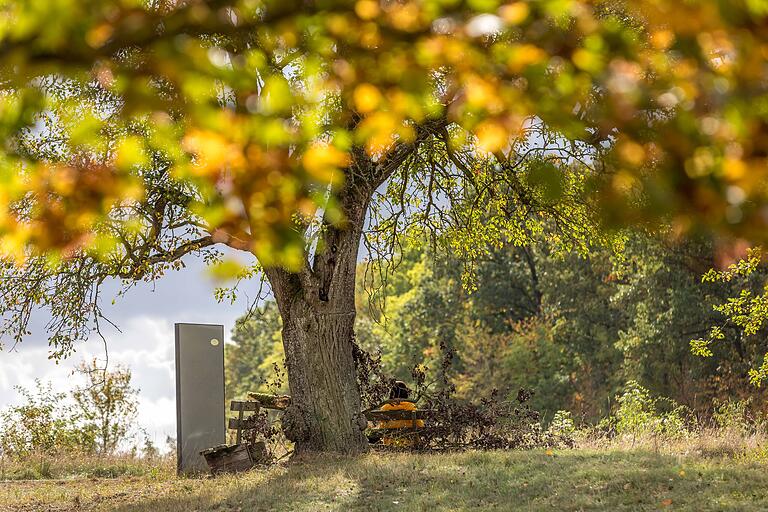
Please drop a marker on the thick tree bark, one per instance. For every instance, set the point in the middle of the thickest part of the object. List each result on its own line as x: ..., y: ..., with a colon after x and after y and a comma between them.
x: 317, y: 307
x: 325, y: 412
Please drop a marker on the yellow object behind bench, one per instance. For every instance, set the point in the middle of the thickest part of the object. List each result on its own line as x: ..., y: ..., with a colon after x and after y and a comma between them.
x: 404, y: 440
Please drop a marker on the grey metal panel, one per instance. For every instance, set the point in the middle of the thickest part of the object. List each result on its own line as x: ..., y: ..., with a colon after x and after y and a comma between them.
x: 199, y: 393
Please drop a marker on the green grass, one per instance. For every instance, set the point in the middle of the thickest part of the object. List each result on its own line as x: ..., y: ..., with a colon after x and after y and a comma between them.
x: 531, y: 480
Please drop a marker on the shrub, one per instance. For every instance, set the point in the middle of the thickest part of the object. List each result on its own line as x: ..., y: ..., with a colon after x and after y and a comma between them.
x: 562, y: 431
x: 95, y: 417
x: 734, y: 415
x: 42, y: 424
x: 490, y: 423
x: 105, y: 407
x: 640, y: 414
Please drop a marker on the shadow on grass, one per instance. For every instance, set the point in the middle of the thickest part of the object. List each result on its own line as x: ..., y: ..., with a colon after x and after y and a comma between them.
x: 570, y: 480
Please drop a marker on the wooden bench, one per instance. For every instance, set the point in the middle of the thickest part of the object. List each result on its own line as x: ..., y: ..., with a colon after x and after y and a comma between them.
x: 242, y: 423
x: 242, y: 456
x: 411, y: 432
x: 258, y: 401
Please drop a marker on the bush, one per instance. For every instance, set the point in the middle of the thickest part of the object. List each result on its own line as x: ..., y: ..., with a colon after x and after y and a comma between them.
x: 734, y: 416
x: 490, y: 423
x: 639, y: 414
x: 94, y: 418
x: 105, y: 407
x: 41, y: 425
x: 562, y: 431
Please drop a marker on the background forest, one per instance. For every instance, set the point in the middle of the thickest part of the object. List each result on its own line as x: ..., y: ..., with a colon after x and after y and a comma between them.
x: 575, y: 329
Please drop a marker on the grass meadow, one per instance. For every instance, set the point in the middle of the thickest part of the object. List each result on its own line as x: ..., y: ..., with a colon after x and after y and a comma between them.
x: 701, y: 474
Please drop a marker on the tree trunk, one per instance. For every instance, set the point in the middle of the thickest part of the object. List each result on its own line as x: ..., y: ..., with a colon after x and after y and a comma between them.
x: 317, y: 307
x: 325, y: 411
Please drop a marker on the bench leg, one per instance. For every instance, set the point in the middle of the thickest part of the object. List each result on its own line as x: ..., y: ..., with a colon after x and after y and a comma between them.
x: 239, y: 427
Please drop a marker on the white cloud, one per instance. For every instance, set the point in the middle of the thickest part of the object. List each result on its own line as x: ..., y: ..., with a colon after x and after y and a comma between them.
x: 22, y: 366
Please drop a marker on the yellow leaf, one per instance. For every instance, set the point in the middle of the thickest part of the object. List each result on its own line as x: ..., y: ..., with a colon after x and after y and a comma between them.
x: 662, y: 39
x: 631, y: 152
x: 322, y: 162
x: 525, y: 55
x: 491, y: 136
x: 212, y: 151
x: 587, y: 60
x: 98, y: 35
x: 367, y: 9
x: 277, y: 97
x: 130, y: 152
x: 734, y: 169
x: 226, y: 270
x: 514, y: 13
x: 367, y: 97
x: 481, y: 94
x: 379, y: 131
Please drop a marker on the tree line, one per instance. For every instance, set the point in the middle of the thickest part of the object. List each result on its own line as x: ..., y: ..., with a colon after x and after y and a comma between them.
x: 574, y: 328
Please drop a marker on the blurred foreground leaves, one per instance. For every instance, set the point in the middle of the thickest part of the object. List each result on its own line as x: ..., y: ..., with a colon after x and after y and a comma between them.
x: 255, y: 108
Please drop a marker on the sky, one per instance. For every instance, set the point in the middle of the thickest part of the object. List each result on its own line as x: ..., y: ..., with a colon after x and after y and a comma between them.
x: 146, y: 317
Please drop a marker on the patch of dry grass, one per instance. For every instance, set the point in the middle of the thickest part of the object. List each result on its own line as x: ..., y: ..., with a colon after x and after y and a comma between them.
x: 708, y: 443
x: 520, y: 480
